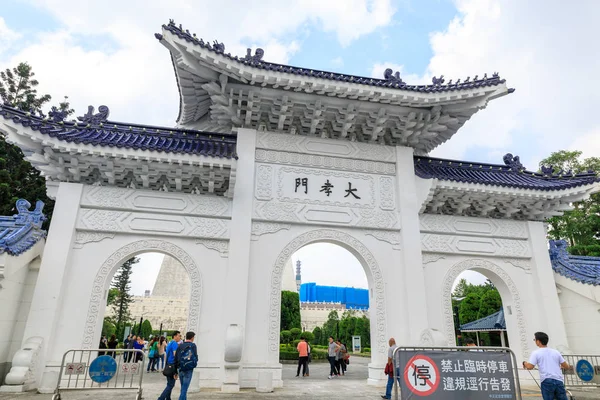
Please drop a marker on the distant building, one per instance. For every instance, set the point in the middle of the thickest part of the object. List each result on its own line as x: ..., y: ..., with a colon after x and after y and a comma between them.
x: 168, y: 303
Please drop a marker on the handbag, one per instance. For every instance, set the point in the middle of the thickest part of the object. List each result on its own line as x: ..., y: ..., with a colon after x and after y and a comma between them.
x: 169, y: 370
x: 152, y: 353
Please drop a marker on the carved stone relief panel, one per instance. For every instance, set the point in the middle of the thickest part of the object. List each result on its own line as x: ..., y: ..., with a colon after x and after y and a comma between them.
x: 157, y: 224
x: 82, y: 238
x: 391, y: 237
x: 327, y: 162
x: 264, y: 182
x: 473, y: 226
x: 309, y: 145
x: 222, y: 246
x: 474, y: 245
x: 323, y: 187
x: 147, y: 200
x: 264, y: 228
x: 319, y: 214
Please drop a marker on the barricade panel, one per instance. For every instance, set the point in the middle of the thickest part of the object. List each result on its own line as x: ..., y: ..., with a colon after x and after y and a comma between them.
x: 449, y: 373
x: 101, y: 369
x: 584, y: 371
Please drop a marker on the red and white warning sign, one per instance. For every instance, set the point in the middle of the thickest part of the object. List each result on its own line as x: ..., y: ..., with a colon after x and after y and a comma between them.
x: 422, y: 375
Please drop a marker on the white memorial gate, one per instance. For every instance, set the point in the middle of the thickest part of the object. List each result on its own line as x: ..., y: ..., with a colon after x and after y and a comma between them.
x: 267, y: 159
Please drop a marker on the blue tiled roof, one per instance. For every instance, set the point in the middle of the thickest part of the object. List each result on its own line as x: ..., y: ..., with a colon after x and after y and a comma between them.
x: 20, y: 232
x: 578, y: 268
x: 391, y: 81
x: 512, y: 174
x: 96, y: 130
x: 492, y: 322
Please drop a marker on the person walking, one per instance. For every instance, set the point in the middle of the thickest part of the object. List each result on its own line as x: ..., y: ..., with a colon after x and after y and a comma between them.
x: 340, y: 358
x: 170, y: 371
x: 332, y: 351
x: 549, y: 362
x: 162, y: 346
x: 302, y: 356
x: 186, y: 360
x: 389, y: 370
x: 112, y: 344
x: 152, y: 355
x: 102, y: 346
x: 138, y: 345
x: 129, y: 355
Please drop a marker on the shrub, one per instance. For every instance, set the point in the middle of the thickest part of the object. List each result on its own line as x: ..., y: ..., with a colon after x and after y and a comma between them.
x: 296, y: 333
x: 285, y: 336
x: 366, y: 350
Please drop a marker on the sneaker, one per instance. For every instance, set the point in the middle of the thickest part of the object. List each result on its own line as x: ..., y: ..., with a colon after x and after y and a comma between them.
x: 330, y: 376
x: 383, y: 396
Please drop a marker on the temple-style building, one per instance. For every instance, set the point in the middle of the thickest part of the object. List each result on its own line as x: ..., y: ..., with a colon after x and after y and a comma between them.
x: 264, y: 160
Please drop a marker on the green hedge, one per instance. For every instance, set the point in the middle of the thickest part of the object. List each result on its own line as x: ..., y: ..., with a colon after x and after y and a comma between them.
x: 292, y: 354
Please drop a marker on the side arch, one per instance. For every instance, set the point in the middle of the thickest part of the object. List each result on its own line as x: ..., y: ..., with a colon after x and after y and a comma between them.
x: 479, y: 264
x: 350, y: 243
x: 112, y: 263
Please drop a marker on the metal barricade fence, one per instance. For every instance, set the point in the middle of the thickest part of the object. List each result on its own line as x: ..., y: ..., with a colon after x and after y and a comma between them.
x: 87, y: 370
x: 584, y: 371
x: 511, y: 371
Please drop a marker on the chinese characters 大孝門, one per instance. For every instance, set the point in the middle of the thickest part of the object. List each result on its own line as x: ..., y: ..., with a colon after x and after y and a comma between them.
x: 301, y: 184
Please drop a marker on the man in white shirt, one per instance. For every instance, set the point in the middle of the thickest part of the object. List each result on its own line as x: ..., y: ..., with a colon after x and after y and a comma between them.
x: 549, y: 363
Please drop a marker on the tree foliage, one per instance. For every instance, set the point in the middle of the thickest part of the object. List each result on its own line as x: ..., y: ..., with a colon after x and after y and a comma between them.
x: 290, y: 310
x: 146, y: 329
x: 479, y: 300
x: 580, y: 227
x: 123, y: 298
x: 112, y: 295
x: 108, y: 327
x: 18, y: 179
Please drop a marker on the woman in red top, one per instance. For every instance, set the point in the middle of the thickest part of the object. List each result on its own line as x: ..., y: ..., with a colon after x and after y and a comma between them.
x: 303, y: 357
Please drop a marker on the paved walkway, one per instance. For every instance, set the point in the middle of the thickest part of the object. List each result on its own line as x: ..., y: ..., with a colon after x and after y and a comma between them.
x: 317, y: 386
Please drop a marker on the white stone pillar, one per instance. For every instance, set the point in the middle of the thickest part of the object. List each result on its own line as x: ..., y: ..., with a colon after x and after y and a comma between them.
x: 236, y: 289
x: 546, y: 297
x: 411, y: 275
x: 47, y: 298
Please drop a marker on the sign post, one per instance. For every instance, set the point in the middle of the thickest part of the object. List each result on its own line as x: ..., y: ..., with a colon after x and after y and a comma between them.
x: 456, y: 375
x: 356, y: 344
x: 585, y: 371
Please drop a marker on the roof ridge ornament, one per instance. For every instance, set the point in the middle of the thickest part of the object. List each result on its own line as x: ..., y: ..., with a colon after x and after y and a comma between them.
x: 91, y: 118
x: 57, y: 115
x: 513, y: 162
x: 438, y: 81
x: 257, y: 57
x: 389, y: 75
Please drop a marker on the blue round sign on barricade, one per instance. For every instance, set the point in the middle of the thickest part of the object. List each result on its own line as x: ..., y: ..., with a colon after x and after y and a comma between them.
x: 102, y: 369
x: 584, y: 370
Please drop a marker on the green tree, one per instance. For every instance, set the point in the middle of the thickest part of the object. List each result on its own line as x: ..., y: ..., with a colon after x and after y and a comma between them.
x: 285, y: 336
x: 122, y: 300
x: 580, y: 227
x: 308, y: 336
x: 318, y: 335
x: 18, y: 88
x: 296, y: 333
x: 18, y: 179
x: 112, y: 295
x: 146, y: 329
x: 108, y: 327
x: 290, y: 310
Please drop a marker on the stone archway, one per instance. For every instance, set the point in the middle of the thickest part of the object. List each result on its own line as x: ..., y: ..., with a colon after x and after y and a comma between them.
x: 110, y: 266
x: 359, y: 250
x: 479, y: 264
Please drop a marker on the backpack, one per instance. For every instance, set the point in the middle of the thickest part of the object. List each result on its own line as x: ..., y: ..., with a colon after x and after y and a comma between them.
x: 187, y: 357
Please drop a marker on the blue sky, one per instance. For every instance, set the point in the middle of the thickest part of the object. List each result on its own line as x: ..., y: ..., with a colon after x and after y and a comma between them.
x: 105, y: 53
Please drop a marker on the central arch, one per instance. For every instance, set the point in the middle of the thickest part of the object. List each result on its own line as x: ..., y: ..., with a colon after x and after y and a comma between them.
x: 359, y: 250
x: 112, y: 263
x: 479, y: 264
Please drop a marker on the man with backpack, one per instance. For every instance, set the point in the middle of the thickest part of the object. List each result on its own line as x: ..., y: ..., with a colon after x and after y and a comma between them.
x: 170, y: 370
x: 186, y: 359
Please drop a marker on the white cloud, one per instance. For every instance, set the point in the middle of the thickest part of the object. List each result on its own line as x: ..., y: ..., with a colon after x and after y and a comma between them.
x: 7, y: 36
x: 588, y: 143
x: 547, y: 51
